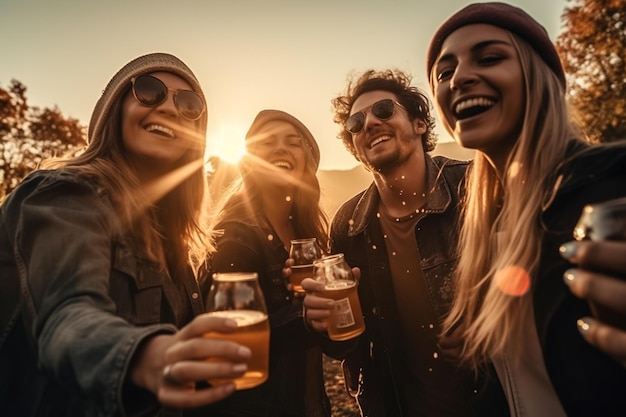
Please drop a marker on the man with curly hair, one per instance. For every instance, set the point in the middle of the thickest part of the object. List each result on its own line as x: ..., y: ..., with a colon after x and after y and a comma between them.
x: 401, y: 233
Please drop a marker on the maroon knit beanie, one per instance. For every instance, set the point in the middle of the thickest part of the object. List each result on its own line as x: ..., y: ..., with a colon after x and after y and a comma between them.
x: 505, y: 16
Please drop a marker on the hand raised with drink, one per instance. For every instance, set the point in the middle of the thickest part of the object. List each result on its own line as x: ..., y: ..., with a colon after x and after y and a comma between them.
x: 169, y: 365
x: 600, y: 278
x: 317, y: 308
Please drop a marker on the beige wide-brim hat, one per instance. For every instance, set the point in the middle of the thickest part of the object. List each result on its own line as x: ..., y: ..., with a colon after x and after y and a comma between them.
x: 121, y: 81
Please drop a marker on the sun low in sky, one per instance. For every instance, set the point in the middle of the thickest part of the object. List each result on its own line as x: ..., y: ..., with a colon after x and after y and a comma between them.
x: 227, y: 142
x: 249, y: 55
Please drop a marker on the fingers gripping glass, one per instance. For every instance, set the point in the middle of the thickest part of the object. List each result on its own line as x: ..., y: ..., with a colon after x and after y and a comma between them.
x: 382, y: 109
x: 151, y: 92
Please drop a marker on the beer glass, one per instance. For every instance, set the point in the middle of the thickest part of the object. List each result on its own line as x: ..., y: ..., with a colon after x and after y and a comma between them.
x: 346, y: 319
x: 238, y: 296
x: 603, y: 221
x: 303, y: 252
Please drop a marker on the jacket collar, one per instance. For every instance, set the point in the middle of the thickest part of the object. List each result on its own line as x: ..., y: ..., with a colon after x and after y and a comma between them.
x: 438, y: 199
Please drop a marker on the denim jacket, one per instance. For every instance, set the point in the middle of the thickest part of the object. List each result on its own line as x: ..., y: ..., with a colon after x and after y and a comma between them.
x: 295, y: 386
x: 371, y: 367
x: 76, y: 300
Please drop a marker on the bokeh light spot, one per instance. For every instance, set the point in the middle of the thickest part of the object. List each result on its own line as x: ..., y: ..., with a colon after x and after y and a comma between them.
x: 513, y: 280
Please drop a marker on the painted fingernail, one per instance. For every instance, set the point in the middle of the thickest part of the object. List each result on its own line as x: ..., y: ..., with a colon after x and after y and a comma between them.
x: 570, y: 276
x: 584, y: 324
x: 568, y: 250
x: 240, y: 368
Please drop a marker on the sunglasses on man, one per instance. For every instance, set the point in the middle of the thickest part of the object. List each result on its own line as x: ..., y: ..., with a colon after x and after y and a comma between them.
x: 382, y: 109
x: 151, y: 92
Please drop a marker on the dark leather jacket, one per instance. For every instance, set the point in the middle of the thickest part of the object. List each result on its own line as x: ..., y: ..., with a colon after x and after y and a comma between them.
x: 295, y: 386
x: 76, y: 300
x: 587, y: 382
x: 356, y: 232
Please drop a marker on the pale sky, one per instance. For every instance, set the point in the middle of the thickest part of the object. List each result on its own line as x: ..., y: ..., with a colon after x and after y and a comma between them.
x: 249, y: 55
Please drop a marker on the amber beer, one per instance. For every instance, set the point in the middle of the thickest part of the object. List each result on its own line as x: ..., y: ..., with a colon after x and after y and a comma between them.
x: 298, y: 273
x: 253, y: 331
x: 238, y: 296
x: 346, y: 318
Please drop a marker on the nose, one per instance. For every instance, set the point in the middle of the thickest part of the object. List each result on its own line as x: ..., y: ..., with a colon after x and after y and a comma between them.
x: 370, y: 120
x: 463, y: 77
x: 168, y: 106
x: 279, y: 146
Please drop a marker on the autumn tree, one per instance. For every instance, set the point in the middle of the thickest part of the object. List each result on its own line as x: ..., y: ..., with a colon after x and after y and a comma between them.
x: 592, y: 46
x: 30, y: 134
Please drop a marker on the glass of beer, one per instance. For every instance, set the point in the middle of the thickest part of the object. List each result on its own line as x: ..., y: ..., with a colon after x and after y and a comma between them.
x: 238, y: 296
x: 346, y: 319
x: 303, y: 252
x: 603, y: 221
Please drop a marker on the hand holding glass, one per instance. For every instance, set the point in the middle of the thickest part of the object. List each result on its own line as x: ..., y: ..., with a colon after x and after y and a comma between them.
x: 604, y: 221
x: 346, y: 318
x: 238, y: 296
x: 303, y: 252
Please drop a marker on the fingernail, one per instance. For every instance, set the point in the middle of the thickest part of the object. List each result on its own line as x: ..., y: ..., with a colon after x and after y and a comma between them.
x: 568, y: 250
x: 584, y: 324
x: 244, y: 352
x: 570, y: 276
x: 230, y: 323
x: 240, y: 368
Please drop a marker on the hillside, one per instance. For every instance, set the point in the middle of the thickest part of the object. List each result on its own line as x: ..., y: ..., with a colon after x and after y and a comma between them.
x: 339, y: 185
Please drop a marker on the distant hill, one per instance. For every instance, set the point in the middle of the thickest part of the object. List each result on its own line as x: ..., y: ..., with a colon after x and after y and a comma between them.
x: 340, y: 185
x: 337, y: 185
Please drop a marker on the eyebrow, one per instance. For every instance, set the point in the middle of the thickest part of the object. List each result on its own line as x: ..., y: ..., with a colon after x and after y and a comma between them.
x: 475, y: 48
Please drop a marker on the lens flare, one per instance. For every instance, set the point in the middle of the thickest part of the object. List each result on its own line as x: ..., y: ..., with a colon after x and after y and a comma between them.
x: 513, y: 280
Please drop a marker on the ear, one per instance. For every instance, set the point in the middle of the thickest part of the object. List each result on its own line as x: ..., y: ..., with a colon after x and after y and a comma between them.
x: 419, y: 126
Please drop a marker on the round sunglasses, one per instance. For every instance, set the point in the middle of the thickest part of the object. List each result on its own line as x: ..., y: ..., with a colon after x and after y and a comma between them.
x: 382, y: 109
x: 151, y: 92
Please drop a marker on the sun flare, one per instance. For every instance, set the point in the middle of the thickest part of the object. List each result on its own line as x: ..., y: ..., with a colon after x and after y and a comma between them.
x: 227, y: 143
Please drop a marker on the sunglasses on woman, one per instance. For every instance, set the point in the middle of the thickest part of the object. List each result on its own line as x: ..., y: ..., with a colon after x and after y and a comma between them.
x: 151, y: 92
x: 382, y: 109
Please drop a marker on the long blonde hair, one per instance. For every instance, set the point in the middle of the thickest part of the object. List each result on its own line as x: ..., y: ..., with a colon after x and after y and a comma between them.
x: 509, y: 207
x: 171, y: 230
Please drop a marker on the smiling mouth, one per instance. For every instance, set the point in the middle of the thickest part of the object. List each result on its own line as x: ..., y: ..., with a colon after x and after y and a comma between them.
x: 161, y: 130
x: 380, y: 139
x: 472, y: 107
x: 283, y: 165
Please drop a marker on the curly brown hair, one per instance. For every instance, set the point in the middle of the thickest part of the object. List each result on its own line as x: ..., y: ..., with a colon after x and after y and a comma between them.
x: 395, y: 81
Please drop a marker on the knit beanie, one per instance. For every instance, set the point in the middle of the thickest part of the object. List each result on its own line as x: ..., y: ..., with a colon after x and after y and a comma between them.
x: 120, y: 83
x: 266, y: 116
x: 505, y: 16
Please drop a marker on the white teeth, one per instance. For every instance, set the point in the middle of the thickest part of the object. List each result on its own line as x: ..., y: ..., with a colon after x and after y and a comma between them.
x: 158, y: 128
x: 473, y: 102
x: 379, y: 140
x: 282, y: 164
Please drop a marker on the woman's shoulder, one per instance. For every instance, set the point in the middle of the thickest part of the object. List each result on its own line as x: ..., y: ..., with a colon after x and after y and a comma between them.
x: 49, y: 187
x: 597, y: 158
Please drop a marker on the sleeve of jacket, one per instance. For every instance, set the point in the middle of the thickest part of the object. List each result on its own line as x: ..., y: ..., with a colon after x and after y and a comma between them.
x: 63, y: 252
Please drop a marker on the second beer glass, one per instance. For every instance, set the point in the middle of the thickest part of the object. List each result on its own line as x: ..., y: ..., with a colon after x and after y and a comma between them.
x: 303, y: 252
x: 346, y: 319
x: 238, y: 296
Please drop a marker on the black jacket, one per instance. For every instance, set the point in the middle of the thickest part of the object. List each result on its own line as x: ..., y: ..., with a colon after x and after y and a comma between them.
x: 587, y: 382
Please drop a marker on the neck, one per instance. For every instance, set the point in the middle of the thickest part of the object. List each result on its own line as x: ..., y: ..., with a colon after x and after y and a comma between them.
x: 402, y: 188
x: 277, y: 205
